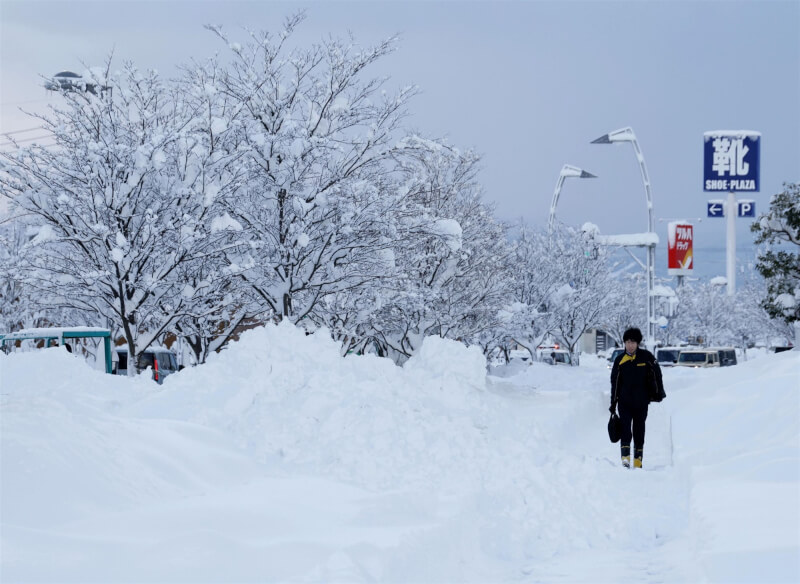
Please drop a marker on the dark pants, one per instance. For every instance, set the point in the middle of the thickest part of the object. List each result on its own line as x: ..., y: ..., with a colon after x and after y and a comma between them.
x: 632, y: 416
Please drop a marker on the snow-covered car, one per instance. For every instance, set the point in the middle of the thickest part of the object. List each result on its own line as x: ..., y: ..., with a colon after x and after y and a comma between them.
x: 160, y: 360
x: 614, y: 354
x: 668, y: 356
x: 555, y: 357
x: 699, y: 358
x: 781, y: 349
x: 727, y: 356
x: 519, y: 356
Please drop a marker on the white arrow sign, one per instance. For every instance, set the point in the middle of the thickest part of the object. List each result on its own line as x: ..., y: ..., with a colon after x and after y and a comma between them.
x: 716, y: 209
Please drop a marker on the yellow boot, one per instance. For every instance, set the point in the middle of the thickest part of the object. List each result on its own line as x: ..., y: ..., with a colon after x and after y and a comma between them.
x: 626, y: 461
x: 637, y: 457
x: 637, y: 463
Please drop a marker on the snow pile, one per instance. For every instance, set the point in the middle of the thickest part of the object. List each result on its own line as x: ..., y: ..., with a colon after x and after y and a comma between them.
x: 739, y: 435
x: 281, y: 461
x: 458, y: 372
x: 290, y: 397
x: 67, y: 452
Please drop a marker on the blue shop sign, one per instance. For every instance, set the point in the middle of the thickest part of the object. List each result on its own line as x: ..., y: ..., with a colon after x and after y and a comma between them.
x: 731, y: 161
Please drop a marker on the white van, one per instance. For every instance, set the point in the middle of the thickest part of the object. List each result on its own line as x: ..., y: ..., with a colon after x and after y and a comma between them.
x: 699, y: 358
x: 555, y: 357
x: 727, y: 356
x: 668, y: 356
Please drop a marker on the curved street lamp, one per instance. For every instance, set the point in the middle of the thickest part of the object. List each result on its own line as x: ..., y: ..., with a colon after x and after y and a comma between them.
x: 69, y: 81
x: 627, y: 135
x: 567, y: 171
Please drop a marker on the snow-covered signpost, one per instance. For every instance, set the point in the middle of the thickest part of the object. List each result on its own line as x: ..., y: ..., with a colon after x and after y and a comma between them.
x: 731, y: 164
x: 627, y: 135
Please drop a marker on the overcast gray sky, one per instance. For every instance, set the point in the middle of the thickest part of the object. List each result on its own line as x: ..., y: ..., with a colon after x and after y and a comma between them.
x: 526, y: 84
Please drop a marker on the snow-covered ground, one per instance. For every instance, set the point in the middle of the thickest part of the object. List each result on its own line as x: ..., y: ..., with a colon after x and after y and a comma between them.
x: 279, y: 461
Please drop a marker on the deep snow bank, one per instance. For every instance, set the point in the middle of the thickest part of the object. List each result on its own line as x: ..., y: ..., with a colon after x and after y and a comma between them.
x: 736, y: 432
x: 469, y: 478
x: 284, y: 395
x: 68, y: 450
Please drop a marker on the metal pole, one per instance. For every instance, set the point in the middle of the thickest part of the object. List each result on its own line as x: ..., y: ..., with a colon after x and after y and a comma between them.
x: 566, y: 172
x: 730, y: 243
x: 554, y: 202
x: 107, y: 352
x: 627, y: 135
x: 651, y: 250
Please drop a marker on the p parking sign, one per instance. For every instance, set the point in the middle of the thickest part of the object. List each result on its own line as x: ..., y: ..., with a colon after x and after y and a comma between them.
x: 731, y: 161
x: 747, y: 208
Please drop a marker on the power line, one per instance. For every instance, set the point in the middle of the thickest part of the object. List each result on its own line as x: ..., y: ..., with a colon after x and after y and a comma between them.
x: 7, y: 148
x: 10, y: 148
x: 7, y: 103
x: 10, y: 143
x: 21, y: 131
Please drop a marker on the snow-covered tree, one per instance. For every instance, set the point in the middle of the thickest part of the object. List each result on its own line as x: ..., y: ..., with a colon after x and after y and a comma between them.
x: 314, y: 133
x: 781, y: 266
x: 18, y: 308
x: 585, y: 285
x: 449, y: 252
x: 348, y: 316
x: 704, y: 312
x: 209, y: 162
x: 120, y: 206
x: 625, y: 307
x: 707, y: 314
x: 749, y: 321
x: 534, y: 278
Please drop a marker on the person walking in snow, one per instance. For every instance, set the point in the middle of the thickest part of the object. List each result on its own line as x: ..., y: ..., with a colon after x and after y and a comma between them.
x: 635, y: 382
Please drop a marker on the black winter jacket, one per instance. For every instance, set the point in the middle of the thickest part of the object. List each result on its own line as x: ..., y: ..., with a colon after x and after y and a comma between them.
x: 635, y: 379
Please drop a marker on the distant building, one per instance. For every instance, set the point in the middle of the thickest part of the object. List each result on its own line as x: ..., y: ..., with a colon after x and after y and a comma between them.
x: 595, y: 341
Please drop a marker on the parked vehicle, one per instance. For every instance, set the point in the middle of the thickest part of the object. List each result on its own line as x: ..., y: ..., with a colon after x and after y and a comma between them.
x: 699, y: 358
x: 519, y: 355
x: 614, y: 354
x: 555, y: 357
x: 727, y: 356
x: 668, y: 356
x: 161, y: 360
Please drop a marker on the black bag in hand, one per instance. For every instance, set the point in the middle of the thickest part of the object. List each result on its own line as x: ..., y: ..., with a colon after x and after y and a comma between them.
x: 614, y: 428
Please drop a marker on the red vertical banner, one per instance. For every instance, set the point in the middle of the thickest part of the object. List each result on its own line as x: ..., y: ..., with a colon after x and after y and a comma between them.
x: 680, y: 237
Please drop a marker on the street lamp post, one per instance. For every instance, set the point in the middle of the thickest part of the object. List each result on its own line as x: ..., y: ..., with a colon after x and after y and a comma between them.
x: 627, y: 135
x: 567, y: 171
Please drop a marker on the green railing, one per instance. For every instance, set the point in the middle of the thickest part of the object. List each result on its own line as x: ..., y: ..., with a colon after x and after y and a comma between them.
x: 60, y: 335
